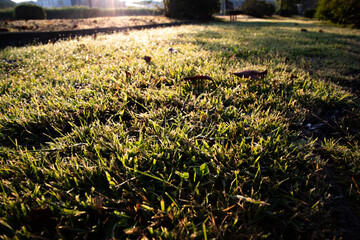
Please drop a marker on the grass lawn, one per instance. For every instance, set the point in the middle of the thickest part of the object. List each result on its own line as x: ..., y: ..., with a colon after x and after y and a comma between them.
x: 97, y: 143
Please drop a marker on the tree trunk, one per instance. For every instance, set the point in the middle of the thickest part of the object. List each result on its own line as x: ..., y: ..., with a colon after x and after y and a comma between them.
x: 223, y: 7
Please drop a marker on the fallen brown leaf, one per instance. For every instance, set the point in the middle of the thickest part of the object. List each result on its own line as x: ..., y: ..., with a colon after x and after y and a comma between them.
x: 130, y: 231
x: 147, y: 59
x: 253, y: 74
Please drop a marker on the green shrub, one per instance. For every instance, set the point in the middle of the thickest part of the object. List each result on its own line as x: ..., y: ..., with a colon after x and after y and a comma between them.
x: 257, y: 8
x: 309, y: 13
x: 191, y: 9
x: 339, y: 11
x: 29, y: 11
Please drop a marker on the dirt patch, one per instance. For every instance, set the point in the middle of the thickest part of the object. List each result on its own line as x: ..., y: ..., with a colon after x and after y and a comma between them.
x: 77, y: 24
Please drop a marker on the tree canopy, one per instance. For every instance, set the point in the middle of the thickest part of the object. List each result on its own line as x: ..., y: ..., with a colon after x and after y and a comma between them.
x: 339, y: 11
x: 287, y: 7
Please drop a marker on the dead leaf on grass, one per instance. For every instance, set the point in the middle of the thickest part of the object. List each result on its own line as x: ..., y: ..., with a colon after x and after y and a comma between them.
x: 130, y: 231
x: 253, y: 74
x: 147, y: 59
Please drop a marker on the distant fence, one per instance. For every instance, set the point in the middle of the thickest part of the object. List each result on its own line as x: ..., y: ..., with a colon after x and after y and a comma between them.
x: 86, y: 12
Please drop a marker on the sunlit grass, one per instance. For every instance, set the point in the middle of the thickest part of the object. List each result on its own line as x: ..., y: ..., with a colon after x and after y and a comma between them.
x: 109, y: 145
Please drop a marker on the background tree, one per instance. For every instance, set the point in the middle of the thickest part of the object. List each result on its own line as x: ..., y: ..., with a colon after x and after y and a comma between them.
x: 339, y: 11
x: 258, y: 8
x: 191, y: 9
x: 7, y: 4
x: 287, y: 7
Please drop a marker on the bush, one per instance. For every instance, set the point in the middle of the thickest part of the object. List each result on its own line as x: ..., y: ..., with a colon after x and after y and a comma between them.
x: 29, y: 11
x: 257, y: 8
x: 309, y: 13
x: 339, y: 11
x: 191, y: 9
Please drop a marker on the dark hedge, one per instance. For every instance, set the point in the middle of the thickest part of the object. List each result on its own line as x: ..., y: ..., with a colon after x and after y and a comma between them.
x: 86, y: 12
x: 29, y: 11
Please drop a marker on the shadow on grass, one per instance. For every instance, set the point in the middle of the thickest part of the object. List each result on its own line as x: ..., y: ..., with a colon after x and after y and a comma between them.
x: 36, y: 134
x: 318, y: 53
